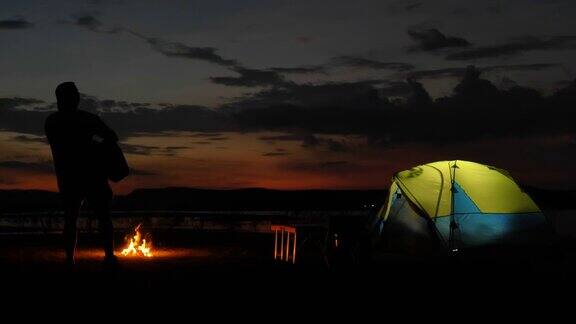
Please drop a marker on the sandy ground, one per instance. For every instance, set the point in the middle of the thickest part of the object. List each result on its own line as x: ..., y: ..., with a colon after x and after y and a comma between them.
x: 222, y: 268
x: 183, y: 260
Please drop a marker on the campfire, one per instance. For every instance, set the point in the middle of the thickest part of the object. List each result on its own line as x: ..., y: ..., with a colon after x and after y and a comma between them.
x: 137, y: 245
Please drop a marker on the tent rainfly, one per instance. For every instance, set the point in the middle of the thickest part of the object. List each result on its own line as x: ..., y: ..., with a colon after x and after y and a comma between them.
x: 458, y: 204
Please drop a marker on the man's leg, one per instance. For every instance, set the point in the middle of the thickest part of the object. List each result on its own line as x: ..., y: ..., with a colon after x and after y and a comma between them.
x: 100, y: 203
x: 106, y: 228
x: 71, y: 212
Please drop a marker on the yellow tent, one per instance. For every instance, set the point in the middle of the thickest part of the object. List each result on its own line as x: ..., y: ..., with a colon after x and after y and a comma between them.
x: 459, y: 203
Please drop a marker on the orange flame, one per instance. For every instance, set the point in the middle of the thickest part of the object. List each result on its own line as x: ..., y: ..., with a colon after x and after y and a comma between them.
x: 137, y: 245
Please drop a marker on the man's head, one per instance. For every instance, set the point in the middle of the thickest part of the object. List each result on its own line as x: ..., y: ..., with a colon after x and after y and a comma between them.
x: 67, y: 96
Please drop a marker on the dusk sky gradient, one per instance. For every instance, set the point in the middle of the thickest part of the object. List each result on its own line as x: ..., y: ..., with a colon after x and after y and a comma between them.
x: 288, y: 94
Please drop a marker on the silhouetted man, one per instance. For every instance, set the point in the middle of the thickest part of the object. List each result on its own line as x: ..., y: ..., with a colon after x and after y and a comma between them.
x: 77, y: 139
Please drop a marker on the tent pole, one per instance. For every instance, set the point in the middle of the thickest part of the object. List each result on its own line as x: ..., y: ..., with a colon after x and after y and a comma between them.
x: 453, y: 225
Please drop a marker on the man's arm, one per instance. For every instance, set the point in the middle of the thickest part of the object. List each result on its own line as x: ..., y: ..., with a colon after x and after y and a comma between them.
x: 50, y: 130
x: 104, y: 132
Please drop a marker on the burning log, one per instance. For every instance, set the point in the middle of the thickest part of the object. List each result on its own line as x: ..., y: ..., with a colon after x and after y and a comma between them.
x: 138, y: 246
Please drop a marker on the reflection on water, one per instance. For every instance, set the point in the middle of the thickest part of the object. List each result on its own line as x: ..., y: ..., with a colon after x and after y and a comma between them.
x: 284, y: 242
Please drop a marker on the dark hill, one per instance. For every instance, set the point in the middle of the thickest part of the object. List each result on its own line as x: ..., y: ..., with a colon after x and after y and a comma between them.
x: 245, y: 199
x: 248, y: 199
x: 205, y: 199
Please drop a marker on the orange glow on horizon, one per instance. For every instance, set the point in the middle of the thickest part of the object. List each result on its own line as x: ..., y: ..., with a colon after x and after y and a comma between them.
x: 238, y: 160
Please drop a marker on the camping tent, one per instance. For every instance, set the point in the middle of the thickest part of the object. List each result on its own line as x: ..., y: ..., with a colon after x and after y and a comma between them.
x: 458, y: 204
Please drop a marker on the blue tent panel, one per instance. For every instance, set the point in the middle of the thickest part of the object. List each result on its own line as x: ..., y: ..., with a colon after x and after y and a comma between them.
x: 462, y: 202
x: 485, y: 229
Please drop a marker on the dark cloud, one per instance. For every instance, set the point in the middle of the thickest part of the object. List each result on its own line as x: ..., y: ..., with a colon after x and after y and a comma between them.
x: 459, y: 72
x: 8, y: 103
x: 138, y: 149
x: 396, y: 89
x: 521, y: 67
x: 92, y: 23
x: 272, y: 154
x: 300, y: 70
x: 250, y: 78
x: 171, y: 118
x: 21, y: 120
x: 432, y: 39
x: 206, y: 135
x: 351, y: 108
x: 403, y: 6
x: 412, y: 6
x: 345, y: 61
x: 330, y: 93
x: 247, y: 77
x: 177, y: 49
x: 286, y: 137
x: 308, y: 112
x: 89, y: 22
x: 22, y: 115
x: 516, y: 47
x: 316, y: 142
x: 309, y: 141
x: 18, y: 23
x: 109, y: 105
x: 438, y: 73
x: 175, y: 148
x: 165, y: 47
x: 476, y: 110
x: 338, y: 108
x: 172, y: 150
x: 142, y: 173
x: 419, y: 97
x: 274, y: 76
x: 339, y: 167
x: 95, y: 105
x: 360, y: 62
x: 40, y: 166
x: 335, y: 146
x: 30, y: 139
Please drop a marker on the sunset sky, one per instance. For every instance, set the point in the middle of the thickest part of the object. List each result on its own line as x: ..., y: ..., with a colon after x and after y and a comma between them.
x: 290, y: 94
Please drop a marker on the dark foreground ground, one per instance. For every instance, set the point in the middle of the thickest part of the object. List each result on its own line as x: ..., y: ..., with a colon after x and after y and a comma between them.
x: 240, y: 268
